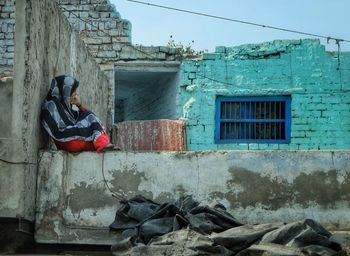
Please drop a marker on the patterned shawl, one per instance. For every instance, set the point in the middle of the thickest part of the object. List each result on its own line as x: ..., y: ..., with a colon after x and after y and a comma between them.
x: 61, y: 121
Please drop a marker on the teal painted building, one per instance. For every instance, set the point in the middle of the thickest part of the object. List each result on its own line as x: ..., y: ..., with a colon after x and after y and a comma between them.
x: 315, y: 83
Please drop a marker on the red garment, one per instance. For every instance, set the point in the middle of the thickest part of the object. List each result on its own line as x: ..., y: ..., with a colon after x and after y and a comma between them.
x: 75, y: 146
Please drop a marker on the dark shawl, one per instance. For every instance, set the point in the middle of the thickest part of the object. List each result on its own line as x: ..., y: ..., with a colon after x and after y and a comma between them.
x: 60, y: 120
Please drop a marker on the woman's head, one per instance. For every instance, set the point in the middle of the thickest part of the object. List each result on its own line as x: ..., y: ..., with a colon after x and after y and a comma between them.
x: 62, y: 88
x: 74, y: 96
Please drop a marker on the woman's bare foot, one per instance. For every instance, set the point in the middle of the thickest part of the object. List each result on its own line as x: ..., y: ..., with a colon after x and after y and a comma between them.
x: 111, y: 147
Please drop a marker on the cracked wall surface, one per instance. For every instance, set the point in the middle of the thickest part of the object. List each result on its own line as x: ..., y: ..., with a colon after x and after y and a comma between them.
x: 255, y: 186
x: 317, y: 81
x: 45, y: 46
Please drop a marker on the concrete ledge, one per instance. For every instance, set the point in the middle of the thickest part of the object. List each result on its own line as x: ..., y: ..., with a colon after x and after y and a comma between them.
x: 74, y: 205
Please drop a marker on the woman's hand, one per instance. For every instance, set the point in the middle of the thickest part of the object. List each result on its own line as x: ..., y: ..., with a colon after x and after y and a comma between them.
x: 75, y: 100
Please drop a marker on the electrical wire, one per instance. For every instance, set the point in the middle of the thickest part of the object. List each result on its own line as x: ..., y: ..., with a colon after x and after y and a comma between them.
x: 241, y: 21
x: 143, y: 52
x: 19, y: 163
x: 337, y: 40
x: 114, y: 194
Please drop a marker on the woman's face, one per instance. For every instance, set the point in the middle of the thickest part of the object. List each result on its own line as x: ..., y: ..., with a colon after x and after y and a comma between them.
x: 73, y: 96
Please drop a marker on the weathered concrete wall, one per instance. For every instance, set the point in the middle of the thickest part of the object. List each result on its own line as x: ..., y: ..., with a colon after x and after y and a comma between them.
x: 317, y: 81
x: 74, y: 205
x: 6, y: 84
x: 45, y: 46
x: 7, y: 34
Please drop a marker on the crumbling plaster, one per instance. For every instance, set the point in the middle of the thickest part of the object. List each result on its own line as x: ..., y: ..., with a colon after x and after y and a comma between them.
x: 45, y: 46
x: 255, y: 186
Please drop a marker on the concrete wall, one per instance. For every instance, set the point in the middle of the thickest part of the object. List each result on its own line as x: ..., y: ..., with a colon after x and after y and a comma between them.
x: 45, y: 46
x: 7, y: 34
x: 6, y: 84
x: 317, y: 81
x: 74, y: 205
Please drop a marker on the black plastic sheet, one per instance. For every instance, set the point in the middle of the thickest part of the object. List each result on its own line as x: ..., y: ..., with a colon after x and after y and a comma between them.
x: 187, y: 228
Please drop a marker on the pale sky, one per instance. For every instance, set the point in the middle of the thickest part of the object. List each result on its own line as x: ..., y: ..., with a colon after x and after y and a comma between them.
x: 153, y: 26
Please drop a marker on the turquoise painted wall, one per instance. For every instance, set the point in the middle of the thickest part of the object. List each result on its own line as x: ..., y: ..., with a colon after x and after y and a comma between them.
x: 318, y: 82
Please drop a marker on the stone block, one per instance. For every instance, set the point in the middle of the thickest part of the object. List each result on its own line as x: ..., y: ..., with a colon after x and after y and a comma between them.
x: 9, y: 35
x: 106, y: 39
x: 110, y: 25
x: 105, y: 15
x: 85, y: 7
x: 4, y: 28
x: 8, y: 8
x: 101, y: 26
x: 117, y: 47
x: 89, y: 40
x: 84, y: 15
x: 114, y: 32
x: 94, y: 15
x: 5, y: 15
x: 103, y: 8
x: 107, y: 47
x: 107, y: 54
x: 9, y: 55
x: 9, y: 42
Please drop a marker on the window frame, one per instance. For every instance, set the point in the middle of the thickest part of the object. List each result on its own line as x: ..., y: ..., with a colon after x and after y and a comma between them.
x: 288, y: 118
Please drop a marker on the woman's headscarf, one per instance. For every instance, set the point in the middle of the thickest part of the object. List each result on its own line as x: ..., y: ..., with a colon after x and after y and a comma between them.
x: 60, y: 120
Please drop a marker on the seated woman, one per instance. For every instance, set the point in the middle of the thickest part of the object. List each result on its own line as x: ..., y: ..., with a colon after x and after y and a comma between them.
x: 71, y: 130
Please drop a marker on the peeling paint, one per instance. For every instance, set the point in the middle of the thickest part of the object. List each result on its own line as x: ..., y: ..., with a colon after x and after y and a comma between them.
x: 48, y: 226
x: 248, y: 188
x: 187, y: 108
x: 84, y: 196
x: 322, y: 188
x: 127, y: 182
x: 255, y: 186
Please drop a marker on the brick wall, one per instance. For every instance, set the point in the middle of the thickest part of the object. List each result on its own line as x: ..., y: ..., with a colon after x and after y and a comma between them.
x: 106, y: 34
x: 318, y: 83
x: 102, y: 20
x: 7, y: 33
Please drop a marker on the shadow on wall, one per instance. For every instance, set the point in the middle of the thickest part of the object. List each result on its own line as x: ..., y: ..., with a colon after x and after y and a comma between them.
x: 144, y: 95
x: 6, y: 86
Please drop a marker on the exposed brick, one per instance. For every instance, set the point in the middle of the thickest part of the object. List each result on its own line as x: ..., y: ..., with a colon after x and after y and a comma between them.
x: 320, y: 112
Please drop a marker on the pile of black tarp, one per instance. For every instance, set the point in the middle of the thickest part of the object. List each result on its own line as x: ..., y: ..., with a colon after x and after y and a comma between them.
x: 187, y: 228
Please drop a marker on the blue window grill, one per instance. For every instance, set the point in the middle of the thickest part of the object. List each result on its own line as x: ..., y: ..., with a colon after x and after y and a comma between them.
x: 253, y: 119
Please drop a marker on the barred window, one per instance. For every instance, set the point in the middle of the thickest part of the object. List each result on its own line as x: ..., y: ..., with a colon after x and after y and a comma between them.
x: 253, y: 119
